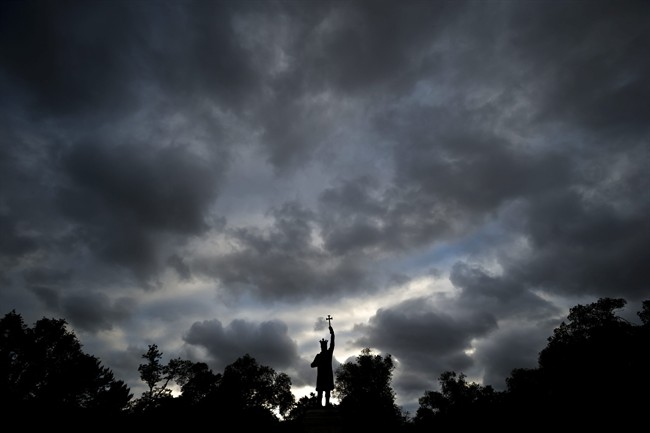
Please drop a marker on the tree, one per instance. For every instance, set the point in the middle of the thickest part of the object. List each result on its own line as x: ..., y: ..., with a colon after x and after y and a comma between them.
x: 247, y: 386
x: 644, y: 314
x: 302, y: 406
x: 44, y: 369
x: 595, y: 363
x: 198, y: 383
x: 247, y: 393
x: 159, y: 377
x: 367, y: 399
x: 458, y: 402
x: 151, y: 372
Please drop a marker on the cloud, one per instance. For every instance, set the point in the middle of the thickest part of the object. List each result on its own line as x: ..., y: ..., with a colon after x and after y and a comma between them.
x: 126, y: 200
x: 94, y: 311
x: 242, y: 159
x: 359, y: 217
x: 181, y: 268
x: 283, y: 262
x: 63, y: 67
x: 590, y: 71
x: 514, y: 345
x: 422, y: 336
x: 425, y: 337
x: 579, y: 248
x: 68, y: 68
x: 497, y: 295
x: 267, y: 342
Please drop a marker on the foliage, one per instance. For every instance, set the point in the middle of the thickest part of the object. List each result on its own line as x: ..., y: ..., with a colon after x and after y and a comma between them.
x: 246, y: 385
x: 44, y: 368
x: 198, y: 382
x: 151, y: 372
x: 593, y: 370
x: 366, y: 396
x: 644, y: 314
x: 457, y: 402
x: 247, y: 393
x: 595, y: 363
x: 157, y: 376
x: 302, y: 406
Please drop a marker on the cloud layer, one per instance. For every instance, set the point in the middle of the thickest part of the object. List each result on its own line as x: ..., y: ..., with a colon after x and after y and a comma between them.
x: 446, y: 178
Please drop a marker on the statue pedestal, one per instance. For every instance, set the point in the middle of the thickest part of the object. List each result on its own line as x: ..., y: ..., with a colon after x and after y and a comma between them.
x: 322, y: 420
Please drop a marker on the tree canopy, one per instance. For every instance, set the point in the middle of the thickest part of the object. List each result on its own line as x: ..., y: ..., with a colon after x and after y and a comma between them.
x: 366, y: 396
x: 43, y: 369
x: 592, y: 370
x: 594, y: 363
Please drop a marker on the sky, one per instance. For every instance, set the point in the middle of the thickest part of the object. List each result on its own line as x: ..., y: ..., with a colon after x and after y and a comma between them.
x: 444, y: 178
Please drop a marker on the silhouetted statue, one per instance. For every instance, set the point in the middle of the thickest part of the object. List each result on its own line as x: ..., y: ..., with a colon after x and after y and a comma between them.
x: 323, y: 364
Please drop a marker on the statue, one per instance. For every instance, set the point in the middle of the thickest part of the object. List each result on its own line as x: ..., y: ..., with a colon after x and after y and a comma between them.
x: 323, y: 364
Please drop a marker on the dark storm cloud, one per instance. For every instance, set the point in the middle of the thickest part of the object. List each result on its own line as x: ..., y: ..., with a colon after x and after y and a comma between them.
x: 356, y: 47
x: 582, y: 242
x: 497, y: 295
x: 428, y: 336
x: 425, y: 338
x: 14, y: 243
x: 86, y: 311
x: 25, y: 182
x: 77, y: 56
x: 579, y: 247
x: 283, y: 262
x: 198, y: 55
x: 47, y: 275
x: 267, y: 342
x: 125, y: 199
x: 48, y: 296
x: 358, y: 216
x: 515, y: 346
x: 446, y: 336
x: 94, y: 312
x: 523, y: 120
x: 457, y: 157
x: 371, y: 51
x: 179, y: 265
x: 166, y: 189
x: 67, y: 57
x: 289, y: 125
x: 80, y: 69
x: 517, y: 342
x: 591, y: 68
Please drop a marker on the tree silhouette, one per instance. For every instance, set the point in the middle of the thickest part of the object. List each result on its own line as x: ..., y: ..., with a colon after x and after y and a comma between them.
x: 44, y: 370
x: 367, y: 399
x: 152, y: 371
x: 458, y: 402
x: 247, y: 393
x: 198, y: 383
x: 644, y: 314
x: 157, y: 376
x: 593, y: 369
x: 247, y: 385
x: 301, y: 407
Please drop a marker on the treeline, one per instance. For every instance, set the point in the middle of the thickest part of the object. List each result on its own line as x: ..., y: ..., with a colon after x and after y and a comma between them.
x: 593, y: 372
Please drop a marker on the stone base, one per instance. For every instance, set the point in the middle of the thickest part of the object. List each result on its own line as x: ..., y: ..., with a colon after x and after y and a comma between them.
x: 322, y: 420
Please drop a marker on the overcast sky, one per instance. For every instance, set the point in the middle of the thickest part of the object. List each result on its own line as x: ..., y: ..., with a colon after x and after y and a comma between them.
x: 445, y: 179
